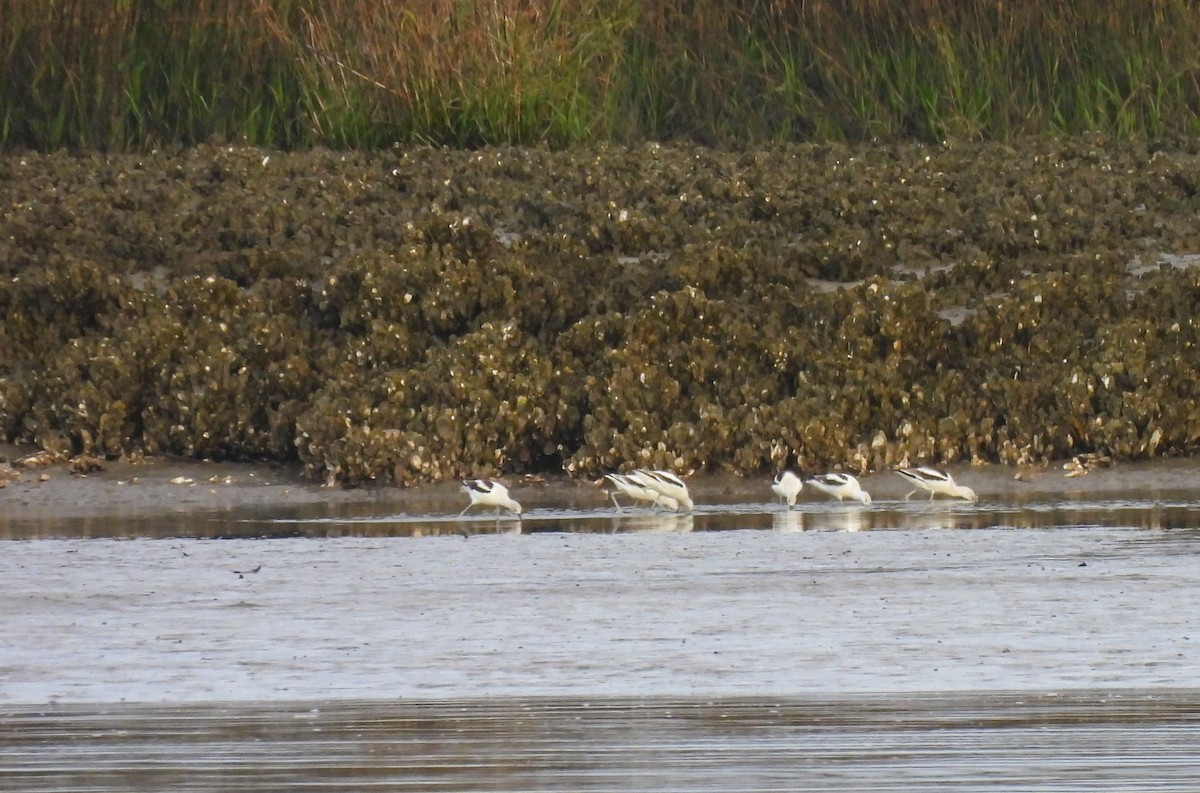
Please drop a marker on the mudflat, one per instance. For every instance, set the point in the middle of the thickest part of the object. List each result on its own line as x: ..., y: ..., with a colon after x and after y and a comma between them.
x: 351, y: 601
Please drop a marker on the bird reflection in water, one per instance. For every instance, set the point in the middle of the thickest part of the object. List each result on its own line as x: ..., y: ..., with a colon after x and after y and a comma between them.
x: 658, y: 522
x: 787, y: 521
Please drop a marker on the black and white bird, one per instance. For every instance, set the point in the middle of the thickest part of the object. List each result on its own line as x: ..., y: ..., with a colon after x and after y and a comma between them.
x: 665, y: 483
x: 639, y: 492
x: 489, y: 493
x: 840, y: 486
x: 787, y: 486
x: 936, y: 482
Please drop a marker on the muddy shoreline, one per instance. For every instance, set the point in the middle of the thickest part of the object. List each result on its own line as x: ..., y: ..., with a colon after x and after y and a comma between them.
x: 170, y: 490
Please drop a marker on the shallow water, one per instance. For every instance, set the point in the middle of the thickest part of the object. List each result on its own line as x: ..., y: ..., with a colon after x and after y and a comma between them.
x: 1087, y: 741
x: 1164, y: 495
x: 1042, y: 639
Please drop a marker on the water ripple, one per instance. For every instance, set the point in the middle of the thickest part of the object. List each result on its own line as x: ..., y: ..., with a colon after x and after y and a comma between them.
x: 1089, y: 740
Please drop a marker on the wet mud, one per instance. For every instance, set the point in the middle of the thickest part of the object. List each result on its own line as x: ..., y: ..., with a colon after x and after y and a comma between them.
x: 177, y: 499
x: 380, y: 596
x: 216, y: 626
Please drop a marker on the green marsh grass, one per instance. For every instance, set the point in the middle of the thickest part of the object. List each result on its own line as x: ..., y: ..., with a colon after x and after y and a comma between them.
x: 357, y: 73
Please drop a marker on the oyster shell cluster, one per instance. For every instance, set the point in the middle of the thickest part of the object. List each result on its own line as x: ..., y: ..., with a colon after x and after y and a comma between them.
x: 424, y: 314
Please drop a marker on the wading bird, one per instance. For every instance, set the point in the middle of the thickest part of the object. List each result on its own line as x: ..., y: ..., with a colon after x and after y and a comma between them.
x: 787, y: 486
x: 840, y: 486
x: 489, y: 493
x: 665, y: 483
x: 639, y: 492
x: 936, y: 482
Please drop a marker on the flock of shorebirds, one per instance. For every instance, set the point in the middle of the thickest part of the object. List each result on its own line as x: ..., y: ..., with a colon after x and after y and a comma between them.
x: 666, y: 490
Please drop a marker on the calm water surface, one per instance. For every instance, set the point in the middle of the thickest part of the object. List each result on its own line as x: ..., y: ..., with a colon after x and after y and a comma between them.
x: 1088, y: 741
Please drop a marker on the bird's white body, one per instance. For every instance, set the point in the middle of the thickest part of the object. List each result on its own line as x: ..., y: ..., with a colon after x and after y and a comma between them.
x: 489, y: 493
x: 639, y: 492
x: 936, y: 483
x: 787, y: 486
x: 840, y: 486
x: 664, y: 483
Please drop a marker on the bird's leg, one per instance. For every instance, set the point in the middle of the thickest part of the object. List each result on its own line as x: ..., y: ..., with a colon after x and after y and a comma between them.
x: 909, y: 495
x: 613, y: 496
x: 464, y: 512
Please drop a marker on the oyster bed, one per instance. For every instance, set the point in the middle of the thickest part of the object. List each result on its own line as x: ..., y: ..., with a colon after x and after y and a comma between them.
x: 417, y: 315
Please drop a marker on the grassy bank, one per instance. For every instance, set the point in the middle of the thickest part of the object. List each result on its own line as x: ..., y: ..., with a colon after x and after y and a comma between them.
x: 295, y: 73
